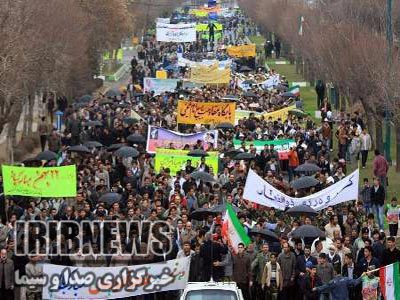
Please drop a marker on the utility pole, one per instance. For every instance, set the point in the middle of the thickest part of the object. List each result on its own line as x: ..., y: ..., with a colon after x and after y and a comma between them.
x: 389, y: 37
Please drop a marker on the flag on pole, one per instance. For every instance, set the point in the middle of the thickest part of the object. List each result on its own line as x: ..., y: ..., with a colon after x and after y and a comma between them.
x: 232, y: 230
x: 295, y: 90
x: 390, y: 281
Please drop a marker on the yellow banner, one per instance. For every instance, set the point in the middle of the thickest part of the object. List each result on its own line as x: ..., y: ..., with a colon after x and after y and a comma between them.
x: 204, y: 27
x: 190, y: 112
x: 279, y: 114
x: 161, y: 74
x: 210, y: 75
x: 242, y: 51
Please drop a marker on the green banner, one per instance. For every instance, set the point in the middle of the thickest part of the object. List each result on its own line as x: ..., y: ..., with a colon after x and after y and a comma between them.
x: 40, y: 182
x: 279, y: 145
x: 176, y: 160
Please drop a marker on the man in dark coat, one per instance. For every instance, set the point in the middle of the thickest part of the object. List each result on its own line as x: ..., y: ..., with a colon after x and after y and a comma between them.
x: 196, y: 266
x: 211, y: 252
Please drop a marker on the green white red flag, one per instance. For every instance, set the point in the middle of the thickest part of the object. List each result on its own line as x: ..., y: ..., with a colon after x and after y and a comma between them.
x: 389, y: 277
x: 232, y: 230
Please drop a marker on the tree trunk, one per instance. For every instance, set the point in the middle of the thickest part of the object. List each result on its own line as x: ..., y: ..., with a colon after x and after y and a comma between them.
x: 25, y: 112
x: 371, y: 127
x: 378, y: 135
x: 31, y: 103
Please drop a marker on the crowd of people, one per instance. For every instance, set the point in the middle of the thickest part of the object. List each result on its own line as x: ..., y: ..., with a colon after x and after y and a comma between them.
x: 335, y: 265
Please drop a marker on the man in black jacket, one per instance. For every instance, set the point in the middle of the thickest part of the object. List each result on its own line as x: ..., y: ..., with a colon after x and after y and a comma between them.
x: 211, y: 252
x: 378, y: 200
x: 391, y: 253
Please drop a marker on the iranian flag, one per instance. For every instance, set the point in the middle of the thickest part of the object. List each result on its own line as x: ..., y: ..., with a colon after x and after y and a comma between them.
x: 295, y: 90
x: 232, y: 230
x: 389, y: 277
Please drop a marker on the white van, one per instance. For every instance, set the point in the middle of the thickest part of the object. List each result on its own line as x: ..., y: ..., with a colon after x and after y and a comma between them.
x: 211, y: 291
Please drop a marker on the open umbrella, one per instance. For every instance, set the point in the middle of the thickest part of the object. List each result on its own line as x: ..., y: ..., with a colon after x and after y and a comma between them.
x: 130, y: 121
x: 307, y: 231
x: 136, y: 138
x: 288, y: 95
x: 114, y: 147
x: 106, y: 102
x: 250, y: 94
x: 297, y: 112
x: 232, y: 152
x: 221, y: 208
x: 201, y: 214
x: 245, y: 69
x: 281, y: 88
x: 203, y: 176
x: 304, y: 182
x: 79, y: 149
x: 248, y: 82
x: 301, y: 210
x: 92, y: 123
x: 112, y: 93
x: 307, y: 167
x: 265, y: 234
x: 46, y: 155
x: 244, y: 156
x: 126, y: 152
x: 110, y: 198
x: 93, y: 144
x: 197, y: 153
x: 231, y: 98
x: 225, y: 126
x: 85, y: 98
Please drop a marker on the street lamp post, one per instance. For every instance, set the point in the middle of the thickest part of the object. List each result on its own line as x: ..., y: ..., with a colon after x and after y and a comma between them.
x: 389, y: 37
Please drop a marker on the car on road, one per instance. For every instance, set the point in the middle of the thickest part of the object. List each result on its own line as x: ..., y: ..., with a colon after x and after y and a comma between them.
x: 211, y: 291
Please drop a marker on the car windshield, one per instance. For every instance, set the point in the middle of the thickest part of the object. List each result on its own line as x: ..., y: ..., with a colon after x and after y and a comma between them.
x: 211, y: 295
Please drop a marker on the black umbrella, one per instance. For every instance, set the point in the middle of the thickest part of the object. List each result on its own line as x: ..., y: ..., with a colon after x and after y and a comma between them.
x: 307, y: 167
x: 265, y: 234
x: 79, y: 148
x: 79, y: 104
x: 289, y: 95
x: 138, y: 95
x: 231, y: 97
x: 301, y: 210
x: 114, y: 147
x: 136, y: 138
x: 93, y: 144
x: 244, y: 156
x: 130, y: 121
x: 245, y: 69
x: 197, y: 153
x: 307, y: 231
x: 127, y: 152
x: 232, y: 152
x: 282, y: 88
x: 248, y: 82
x: 221, y: 208
x: 92, y: 123
x: 203, y: 176
x: 85, y: 98
x: 110, y: 198
x: 250, y: 94
x: 46, y: 155
x: 31, y: 161
x: 106, y: 102
x: 224, y: 126
x: 201, y: 214
x: 304, y: 182
x: 112, y: 93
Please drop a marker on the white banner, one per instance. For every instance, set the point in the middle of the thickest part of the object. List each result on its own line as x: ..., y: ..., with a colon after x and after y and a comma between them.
x: 176, y: 33
x: 259, y: 191
x: 114, y: 282
x: 163, y: 20
x: 159, y: 86
x: 222, y: 64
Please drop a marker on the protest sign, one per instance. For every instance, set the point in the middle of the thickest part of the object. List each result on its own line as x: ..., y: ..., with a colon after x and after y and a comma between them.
x: 159, y: 86
x: 282, y: 146
x: 163, y: 20
x: 164, y: 138
x: 242, y: 50
x: 205, y: 27
x: 176, y: 160
x: 176, y: 33
x: 190, y: 112
x: 210, y: 74
x: 40, y: 182
x: 65, y: 282
x: 259, y: 191
x: 278, y: 114
x: 222, y: 64
x: 241, y: 114
x: 161, y: 74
